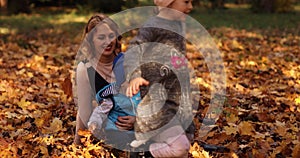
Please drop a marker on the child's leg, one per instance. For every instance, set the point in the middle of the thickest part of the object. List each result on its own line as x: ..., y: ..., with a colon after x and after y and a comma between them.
x: 172, y: 142
x: 171, y: 148
x: 99, y: 114
x: 119, y: 139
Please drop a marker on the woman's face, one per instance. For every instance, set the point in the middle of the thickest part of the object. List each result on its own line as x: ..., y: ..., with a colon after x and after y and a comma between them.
x: 104, y: 40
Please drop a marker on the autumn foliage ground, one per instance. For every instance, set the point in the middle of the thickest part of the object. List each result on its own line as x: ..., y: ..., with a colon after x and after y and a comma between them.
x: 261, y: 115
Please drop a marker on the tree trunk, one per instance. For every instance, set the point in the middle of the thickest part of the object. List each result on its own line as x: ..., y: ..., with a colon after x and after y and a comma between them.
x: 217, y: 4
x: 3, y: 6
x: 3, y: 3
x: 272, y: 6
x: 17, y: 6
x: 240, y: 1
x: 196, y: 3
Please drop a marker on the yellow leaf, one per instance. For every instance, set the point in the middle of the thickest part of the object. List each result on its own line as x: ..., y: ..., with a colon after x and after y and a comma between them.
x: 2, y: 98
x: 202, y: 82
x: 234, y: 155
x: 256, y: 92
x: 37, y: 58
x: 237, y: 45
x: 39, y: 122
x: 240, y: 88
x: 123, y: 47
x: 3, y: 86
x: 44, y: 150
x: 30, y: 74
x: 297, y: 101
x: 251, y: 63
x: 23, y: 103
x: 198, y: 152
x: 230, y: 130
x: 48, y: 76
x: 21, y: 72
x: 30, y: 89
x: 264, y: 59
x: 55, y: 126
x: 84, y: 133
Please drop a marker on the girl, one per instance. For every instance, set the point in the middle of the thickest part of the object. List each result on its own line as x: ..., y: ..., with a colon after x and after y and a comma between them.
x: 100, y: 46
x: 159, y: 71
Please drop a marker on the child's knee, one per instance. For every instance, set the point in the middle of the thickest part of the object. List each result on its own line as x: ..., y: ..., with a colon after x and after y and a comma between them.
x: 178, y: 147
x: 181, y: 145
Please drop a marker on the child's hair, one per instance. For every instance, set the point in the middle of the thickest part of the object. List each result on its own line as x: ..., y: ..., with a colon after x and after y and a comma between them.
x: 163, y: 3
x: 90, y: 28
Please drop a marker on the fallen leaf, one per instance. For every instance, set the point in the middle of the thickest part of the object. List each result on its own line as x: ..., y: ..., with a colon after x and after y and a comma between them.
x: 246, y: 128
x: 55, y: 126
x: 296, y: 151
x: 230, y: 130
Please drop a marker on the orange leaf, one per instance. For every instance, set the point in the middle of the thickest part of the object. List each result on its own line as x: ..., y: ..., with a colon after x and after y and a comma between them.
x: 246, y: 128
x: 232, y: 118
x: 67, y: 86
x: 296, y: 150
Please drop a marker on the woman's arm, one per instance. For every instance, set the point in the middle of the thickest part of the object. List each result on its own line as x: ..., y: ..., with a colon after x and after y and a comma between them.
x: 125, y: 122
x: 84, y: 93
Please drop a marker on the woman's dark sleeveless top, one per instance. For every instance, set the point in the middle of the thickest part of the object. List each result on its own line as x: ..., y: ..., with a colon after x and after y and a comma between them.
x: 96, y: 80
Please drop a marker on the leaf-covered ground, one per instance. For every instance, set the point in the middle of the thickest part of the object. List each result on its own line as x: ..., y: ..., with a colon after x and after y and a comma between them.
x: 261, y: 115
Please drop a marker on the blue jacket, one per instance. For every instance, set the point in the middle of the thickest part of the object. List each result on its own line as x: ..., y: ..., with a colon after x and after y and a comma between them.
x: 122, y: 105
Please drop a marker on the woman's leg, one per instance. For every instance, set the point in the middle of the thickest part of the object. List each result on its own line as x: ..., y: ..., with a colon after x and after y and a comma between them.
x: 79, y: 125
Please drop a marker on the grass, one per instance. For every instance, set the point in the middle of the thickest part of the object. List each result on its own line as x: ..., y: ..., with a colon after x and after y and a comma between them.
x: 71, y: 22
x: 58, y: 20
x: 241, y: 17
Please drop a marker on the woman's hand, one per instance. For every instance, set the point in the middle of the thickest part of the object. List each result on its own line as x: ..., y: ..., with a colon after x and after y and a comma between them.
x: 125, y: 122
x: 134, y: 86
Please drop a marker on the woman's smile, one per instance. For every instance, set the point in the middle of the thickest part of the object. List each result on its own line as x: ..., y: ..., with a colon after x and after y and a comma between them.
x: 108, y: 48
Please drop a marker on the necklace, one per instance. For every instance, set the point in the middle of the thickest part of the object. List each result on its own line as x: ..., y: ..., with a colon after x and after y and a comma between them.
x: 105, y: 70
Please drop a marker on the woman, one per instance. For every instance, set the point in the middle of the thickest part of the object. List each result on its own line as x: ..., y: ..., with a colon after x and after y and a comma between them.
x: 100, y: 46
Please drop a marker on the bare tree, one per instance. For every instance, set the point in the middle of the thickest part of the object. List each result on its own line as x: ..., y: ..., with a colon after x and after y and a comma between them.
x: 217, y: 4
x: 3, y: 3
x: 3, y: 6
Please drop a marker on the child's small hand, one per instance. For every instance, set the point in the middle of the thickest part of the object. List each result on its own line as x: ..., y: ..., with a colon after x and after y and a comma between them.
x: 134, y: 86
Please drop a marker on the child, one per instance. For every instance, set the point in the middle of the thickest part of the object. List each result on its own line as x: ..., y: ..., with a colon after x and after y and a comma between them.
x: 113, y: 104
x: 155, y: 65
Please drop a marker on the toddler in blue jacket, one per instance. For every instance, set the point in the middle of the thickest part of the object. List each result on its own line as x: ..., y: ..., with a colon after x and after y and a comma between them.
x: 113, y: 103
